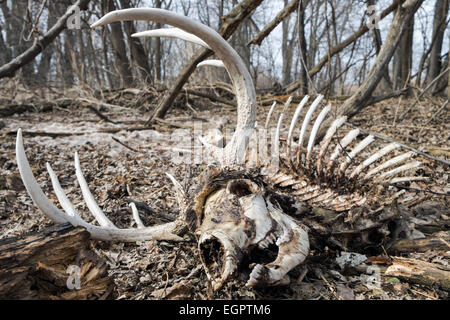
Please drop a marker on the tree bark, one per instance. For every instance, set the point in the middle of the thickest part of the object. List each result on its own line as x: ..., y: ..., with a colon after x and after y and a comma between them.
x: 302, y: 49
x: 122, y: 62
x: 403, y: 58
x: 229, y: 24
x: 440, y: 16
x: 37, y: 266
x: 9, y: 69
x: 138, y: 53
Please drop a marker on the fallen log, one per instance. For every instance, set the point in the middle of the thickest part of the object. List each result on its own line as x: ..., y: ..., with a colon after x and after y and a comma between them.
x: 441, y: 244
x: 55, y: 263
x: 420, y: 272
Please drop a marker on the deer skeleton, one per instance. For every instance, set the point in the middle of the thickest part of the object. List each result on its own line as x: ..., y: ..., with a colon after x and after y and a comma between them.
x: 235, y: 212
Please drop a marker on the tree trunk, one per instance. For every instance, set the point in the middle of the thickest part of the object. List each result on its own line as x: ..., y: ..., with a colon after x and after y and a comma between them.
x: 385, y: 84
x: 9, y: 69
x: 118, y: 42
x: 157, y: 49
x: 55, y: 263
x: 403, y: 58
x: 138, y: 53
x: 230, y: 23
x: 440, y: 16
x: 303, y: 89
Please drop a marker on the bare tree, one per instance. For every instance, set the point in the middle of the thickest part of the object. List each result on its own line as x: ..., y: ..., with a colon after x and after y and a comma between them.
x: 440, y: 17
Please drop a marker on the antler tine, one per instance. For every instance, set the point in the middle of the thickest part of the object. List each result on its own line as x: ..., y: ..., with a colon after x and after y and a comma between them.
x: 180, y: 195
x: 61, y: 195
x: 89, y: 198
x: 172, y: 33
x: 212, y: 63
x: 136, y: 217
x: 31, y: 185
x: 234, y: 151
x: 312, y: 136
x: 160, y: 232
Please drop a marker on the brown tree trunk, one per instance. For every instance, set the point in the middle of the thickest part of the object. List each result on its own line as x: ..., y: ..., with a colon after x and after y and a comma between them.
x: 122, y: 62
x: 55, y: 263
x: 157, y: 49
x: 303, y: 89
x: 138, y: 53
x: 440, y: 16
x: 403, y: 58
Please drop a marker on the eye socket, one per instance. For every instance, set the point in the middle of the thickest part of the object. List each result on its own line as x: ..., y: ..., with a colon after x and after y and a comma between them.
x: 240, y: 188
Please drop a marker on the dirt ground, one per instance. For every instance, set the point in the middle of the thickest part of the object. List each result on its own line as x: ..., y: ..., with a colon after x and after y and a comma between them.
x: 135, y: 168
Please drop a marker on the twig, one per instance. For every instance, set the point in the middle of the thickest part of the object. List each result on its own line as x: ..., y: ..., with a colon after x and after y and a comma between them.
x: 123, y: 144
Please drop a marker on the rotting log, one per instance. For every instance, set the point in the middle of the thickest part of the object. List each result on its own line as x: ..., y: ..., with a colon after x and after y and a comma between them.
x: 420, y: 272
x: 441, y: 244
x: 54, y: 263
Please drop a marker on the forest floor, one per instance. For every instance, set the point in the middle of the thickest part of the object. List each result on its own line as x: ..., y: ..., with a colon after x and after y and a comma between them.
x: 131, y: 164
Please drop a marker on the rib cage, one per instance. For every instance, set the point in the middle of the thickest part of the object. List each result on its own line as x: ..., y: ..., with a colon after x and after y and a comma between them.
x: 340, y: 170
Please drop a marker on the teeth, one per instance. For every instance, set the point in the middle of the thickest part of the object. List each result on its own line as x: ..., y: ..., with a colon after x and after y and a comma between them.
x: 269, y: 239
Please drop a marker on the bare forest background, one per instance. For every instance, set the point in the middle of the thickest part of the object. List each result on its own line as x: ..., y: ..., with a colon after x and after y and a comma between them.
x: 334, y: 40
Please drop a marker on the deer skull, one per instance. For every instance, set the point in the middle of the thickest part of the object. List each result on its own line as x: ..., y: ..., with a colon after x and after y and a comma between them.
x: 239, y: 217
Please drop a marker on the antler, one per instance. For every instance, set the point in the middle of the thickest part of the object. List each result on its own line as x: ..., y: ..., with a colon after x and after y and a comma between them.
x: 234, y: 151
x: 107, y: 230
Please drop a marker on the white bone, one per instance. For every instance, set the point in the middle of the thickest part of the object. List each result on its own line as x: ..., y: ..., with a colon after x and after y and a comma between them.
x: 180, y: 195
x: 61, y: 195
x: 294, y: 119
x: 212, y: 63
x: 89, y: 198
x: 171, y: 33
x: 234, y: 151
x: 407, y: 179
x: 389, y: 163
x: 377, y: 155
x: 160, y: 232
x: 408, y: 166
x: 277, y: 133
x: 359, y: 147
x: 327, y: 139
x: 317, y: 123
x: 136, y: 217
x: 269, y: 115
x: 308, y: 116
